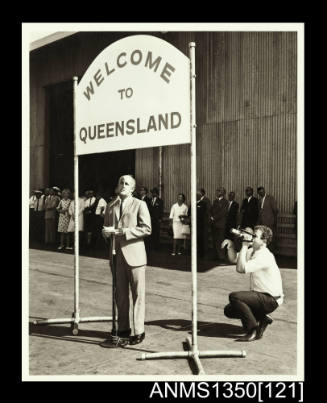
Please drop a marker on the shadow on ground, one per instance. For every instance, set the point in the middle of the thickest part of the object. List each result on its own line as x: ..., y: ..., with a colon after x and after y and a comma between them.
x: 64, y: 332
x: 206, y: 329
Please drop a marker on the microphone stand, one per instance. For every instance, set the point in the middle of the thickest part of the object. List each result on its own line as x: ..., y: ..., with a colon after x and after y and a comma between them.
x: 113, y: 269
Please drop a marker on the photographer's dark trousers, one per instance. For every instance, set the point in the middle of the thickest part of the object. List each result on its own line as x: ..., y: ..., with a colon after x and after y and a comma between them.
x: 250, y: 307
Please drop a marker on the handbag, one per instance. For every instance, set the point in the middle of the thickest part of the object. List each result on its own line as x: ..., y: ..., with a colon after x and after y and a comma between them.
x: 186, y: 230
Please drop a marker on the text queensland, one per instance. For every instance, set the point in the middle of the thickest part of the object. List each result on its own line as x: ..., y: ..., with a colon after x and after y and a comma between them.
x: 154, y: 123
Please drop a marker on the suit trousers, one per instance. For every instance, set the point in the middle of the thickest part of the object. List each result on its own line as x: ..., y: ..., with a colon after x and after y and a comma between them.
x: 250, y: 307
x: 133, y: 277
x: 155, y: 235
x: 218, y: 235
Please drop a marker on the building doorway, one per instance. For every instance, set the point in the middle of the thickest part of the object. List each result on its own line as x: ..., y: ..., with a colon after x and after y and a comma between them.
x: 99, y: 172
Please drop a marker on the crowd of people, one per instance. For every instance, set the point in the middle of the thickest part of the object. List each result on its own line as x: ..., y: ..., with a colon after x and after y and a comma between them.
x: 219, y: 217
x: 52, y: 218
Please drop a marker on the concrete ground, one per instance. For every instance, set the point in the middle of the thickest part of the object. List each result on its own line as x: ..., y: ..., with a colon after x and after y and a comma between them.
x: 55, y: 351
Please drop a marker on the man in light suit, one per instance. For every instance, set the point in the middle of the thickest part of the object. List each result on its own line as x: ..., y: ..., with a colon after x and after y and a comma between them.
x: 131, y: 222
x: 268, y: 213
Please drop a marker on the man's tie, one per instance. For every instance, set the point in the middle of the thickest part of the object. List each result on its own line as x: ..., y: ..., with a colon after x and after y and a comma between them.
x: 37, y: 205
x: 120, y: 209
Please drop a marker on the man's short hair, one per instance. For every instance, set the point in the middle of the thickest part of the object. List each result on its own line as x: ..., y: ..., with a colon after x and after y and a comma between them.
x: 222, y: 189
x: 202, y: 191
x: 183, y: 196
x: 249, y: 188
x: 155, y: 190
x: 260, y: 188
x: 266, y: 232
x: 129, y: 175
x: 144, y: 188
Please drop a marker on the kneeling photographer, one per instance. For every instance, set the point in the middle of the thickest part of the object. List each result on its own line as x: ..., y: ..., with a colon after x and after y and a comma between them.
x: 266, y: 291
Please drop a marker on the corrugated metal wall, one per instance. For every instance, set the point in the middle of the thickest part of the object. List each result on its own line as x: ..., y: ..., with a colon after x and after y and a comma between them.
x: 246, y: 117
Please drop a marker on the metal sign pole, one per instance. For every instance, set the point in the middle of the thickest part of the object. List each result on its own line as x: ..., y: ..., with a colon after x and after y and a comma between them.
x: 194, y: 353
x: 75, y: 319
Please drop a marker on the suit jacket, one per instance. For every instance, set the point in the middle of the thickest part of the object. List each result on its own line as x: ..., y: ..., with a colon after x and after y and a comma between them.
x: 156, y: 210
x: 219, y: 210
x: 136, y: 219
x: 147, y: 200
x: 249, y: 211
x: 203, y: 211
x: 232, y: 215
x: 268, y: 215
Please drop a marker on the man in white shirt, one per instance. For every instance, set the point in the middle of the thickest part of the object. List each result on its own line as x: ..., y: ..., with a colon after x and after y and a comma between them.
x: 266, y: 290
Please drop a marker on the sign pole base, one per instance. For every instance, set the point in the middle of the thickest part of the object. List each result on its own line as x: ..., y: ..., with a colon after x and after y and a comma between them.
x: 73, y: 321
x: 195, y: 355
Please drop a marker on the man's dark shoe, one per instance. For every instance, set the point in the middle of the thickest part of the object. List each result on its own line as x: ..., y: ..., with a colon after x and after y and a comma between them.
x: 250, y: 336
x: 138, y: 338
x: 124, y: 333
x: 114, y: 342
x: 262, y: 325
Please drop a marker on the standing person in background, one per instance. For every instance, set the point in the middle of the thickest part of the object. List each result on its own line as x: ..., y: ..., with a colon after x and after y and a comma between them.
x: 31, y: 215
x: 38, y: 220
x: 64, y: 218
x: 177, y: 210
x: 268, y: 212
x: 143, y: 195
x: 156, y: 212
x: 57, y: 194
x: 249, y: 209
x: 101, y: 205
x: 218, y: 216
x: 231, y: 221
x: 71, y: 225
x: 51, y: 203
x: 89, y: 216
x: 203, y: 212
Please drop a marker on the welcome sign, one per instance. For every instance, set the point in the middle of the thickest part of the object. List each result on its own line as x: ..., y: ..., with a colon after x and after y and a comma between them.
x: 135, y: 94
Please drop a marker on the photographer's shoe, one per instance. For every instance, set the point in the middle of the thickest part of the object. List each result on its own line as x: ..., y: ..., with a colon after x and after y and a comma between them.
x: 263, y: 325
x: 250, y: 336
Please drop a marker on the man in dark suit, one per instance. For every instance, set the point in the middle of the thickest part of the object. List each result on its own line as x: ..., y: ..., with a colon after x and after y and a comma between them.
x: 249, y: 209
x: 231, y: 220
x: 268, y: 212
x: 143, y: 195
x: 219, y: 211
x: 156, y: 213
x: 203, y: 212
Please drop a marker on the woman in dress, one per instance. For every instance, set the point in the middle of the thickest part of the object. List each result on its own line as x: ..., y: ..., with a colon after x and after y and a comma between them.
x: 64, y: 218
x: 71, y: 225
x: 178, y: 210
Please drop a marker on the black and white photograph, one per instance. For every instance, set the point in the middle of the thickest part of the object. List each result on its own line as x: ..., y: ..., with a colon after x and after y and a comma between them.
x: 163, y: 201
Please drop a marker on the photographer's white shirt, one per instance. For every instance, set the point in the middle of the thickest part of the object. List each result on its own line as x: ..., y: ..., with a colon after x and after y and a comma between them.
x: 265, y: 274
